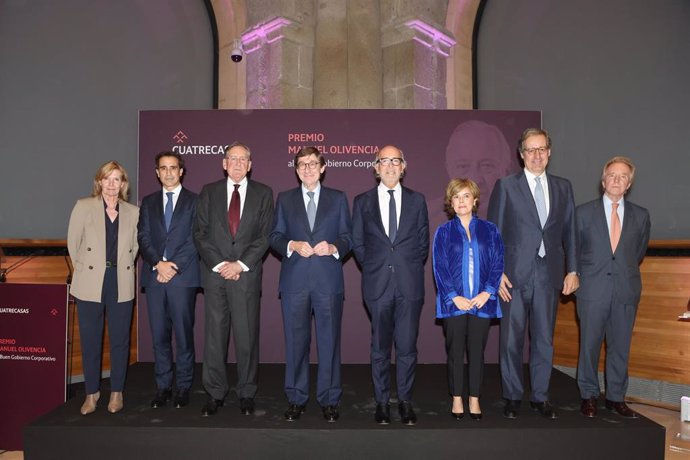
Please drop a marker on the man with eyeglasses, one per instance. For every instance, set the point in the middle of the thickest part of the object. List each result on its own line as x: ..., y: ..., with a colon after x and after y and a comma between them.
x: 390, y: 231
x: 170, y: 277
x: 312, y: 234
x: 535, y: 214
x: 231, y: 232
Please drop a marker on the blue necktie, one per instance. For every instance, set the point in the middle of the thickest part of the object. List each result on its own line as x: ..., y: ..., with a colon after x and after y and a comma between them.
x: 167, y: 214
x: 540, y: 200
x: 392, y: 217
x: 311, y: 210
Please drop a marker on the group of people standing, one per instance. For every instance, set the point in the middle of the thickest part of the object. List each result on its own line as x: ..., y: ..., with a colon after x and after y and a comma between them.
x: 534, y: 246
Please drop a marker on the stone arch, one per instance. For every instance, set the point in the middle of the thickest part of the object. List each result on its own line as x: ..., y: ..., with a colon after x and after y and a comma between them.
x: 460, y: 21
x: 231, y: 21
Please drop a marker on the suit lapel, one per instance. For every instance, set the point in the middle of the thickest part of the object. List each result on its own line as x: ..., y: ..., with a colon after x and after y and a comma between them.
x: 122, y: 227
x: 250, y: 204
x: 301, y: 210
x: 600, y: 222
x: 527, y: 196
x: 375, y: 210
x: 325, y: 200
x: 220, y: 204
x: 404, y: 221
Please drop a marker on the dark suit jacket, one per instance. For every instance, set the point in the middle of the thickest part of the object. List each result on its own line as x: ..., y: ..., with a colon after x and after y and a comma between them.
x: 214, y: 240
x: 380, y: 259
x: 605, y: 275
x: 332, y: 224
x: 153, y: 239
x: 512, y: 209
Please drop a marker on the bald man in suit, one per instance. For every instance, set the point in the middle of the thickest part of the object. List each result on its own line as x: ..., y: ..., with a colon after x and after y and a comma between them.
x: 391, y: 242
x: 613, y: 234
x: 535, y: 213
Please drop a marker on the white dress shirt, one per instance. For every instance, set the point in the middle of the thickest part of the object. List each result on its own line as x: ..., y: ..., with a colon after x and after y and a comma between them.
x: 384, y: 203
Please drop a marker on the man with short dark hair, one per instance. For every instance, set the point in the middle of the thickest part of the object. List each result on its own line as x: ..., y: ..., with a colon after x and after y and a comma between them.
x: 535, y: 213
x: 311, y: 232
x: 170, y: 277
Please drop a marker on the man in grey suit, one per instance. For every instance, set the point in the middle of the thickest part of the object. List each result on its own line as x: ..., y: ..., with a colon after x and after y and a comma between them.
x: 231, y: 233
x: 613, y: 234
x: 535, y: 214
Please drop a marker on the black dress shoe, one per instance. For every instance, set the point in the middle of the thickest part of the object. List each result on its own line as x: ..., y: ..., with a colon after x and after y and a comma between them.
x: 246, y: 406
x: 588, y: 408
x: 161, y: 399
x: 181, y: 398
x: 294, y: 411
x: 211, y: 407
x: 512, y: 409
x: 621, y: 409
x: 457, y: 415
x: 407, y: 415
x: 383, y: 414
x: 330, y: 413
x: 545, y: 409
x: 476, y: 416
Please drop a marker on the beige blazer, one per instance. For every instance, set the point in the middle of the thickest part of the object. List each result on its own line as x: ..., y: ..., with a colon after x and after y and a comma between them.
x: 86, y: 246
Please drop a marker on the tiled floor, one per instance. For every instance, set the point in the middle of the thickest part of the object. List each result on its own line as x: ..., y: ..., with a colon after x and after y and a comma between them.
x: 677, y: 433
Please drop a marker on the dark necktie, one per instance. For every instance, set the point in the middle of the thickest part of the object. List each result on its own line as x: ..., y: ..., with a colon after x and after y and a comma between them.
x: 234, y: 211
x: 167, y: 214
x: 311, y: 210
x: 392, y: 217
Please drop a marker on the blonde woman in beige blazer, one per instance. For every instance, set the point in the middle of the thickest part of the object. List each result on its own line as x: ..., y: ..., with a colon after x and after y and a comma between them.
x: 102, y: 242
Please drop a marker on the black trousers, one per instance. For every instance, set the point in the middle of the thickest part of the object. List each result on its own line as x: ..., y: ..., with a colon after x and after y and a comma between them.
x: 466, y: 333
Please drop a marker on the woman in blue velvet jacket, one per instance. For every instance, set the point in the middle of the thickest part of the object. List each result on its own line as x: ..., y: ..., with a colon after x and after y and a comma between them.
x: 468, y: 264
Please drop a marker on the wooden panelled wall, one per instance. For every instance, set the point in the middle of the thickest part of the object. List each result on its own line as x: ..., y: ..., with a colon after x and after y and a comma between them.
x: 54, y: 270
x: 660, y: 346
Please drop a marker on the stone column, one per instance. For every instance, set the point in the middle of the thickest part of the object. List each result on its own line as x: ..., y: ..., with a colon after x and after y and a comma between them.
x: 414, y: 64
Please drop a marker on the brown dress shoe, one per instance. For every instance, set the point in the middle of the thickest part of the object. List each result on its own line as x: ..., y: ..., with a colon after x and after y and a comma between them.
x: 589, y: 407
x: 621, y: 409
x: 116, y: 403
x: 89, y: 405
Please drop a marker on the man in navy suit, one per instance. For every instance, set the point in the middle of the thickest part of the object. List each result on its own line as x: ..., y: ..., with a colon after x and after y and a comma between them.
x: 535, y: 214
x: 390, y: 233
x: 613, y: 234
x: 170, y: 277
x: 312, y: 233
x: 231, y: 232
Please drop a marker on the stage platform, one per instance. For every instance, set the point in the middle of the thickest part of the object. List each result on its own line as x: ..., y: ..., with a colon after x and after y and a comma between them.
x: 139, y: 432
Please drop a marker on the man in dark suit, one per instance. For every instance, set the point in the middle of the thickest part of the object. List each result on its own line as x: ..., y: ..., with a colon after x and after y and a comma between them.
x: 390, y: 233
x: 535, y: 214
x: 170, y: 277
x: 312, y: 233
x: 231, y: 233
x: 613, y: 234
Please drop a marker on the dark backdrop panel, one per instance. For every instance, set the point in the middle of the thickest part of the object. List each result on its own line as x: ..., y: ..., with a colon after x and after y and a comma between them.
x: 611, y: 78
x: 73, y: 76
x: 428, y: 138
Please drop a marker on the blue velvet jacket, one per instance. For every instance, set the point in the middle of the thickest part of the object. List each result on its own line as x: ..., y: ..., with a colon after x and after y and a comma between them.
x: 451, y: 266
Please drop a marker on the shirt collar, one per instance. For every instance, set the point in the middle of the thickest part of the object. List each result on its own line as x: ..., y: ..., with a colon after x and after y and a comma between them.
x: 383, y: 189
x: 531, y: 177
x: 176, y: 190
x: 316, y: 190
x: 242, y: 183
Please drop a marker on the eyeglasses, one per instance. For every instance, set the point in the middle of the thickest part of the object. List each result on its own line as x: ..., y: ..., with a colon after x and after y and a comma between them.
x: 390, y: 161
x: 533, y: 150
x: 311, y: 165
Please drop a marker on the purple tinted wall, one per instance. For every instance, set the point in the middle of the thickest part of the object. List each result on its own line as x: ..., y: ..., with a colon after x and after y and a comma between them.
x: 438, y: 145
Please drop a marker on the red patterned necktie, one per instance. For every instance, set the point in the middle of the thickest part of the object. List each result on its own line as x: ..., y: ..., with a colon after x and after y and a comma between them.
x: 234, y: 211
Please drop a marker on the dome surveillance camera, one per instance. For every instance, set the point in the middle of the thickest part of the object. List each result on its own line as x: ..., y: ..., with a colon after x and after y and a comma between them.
x: 236, y: 54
